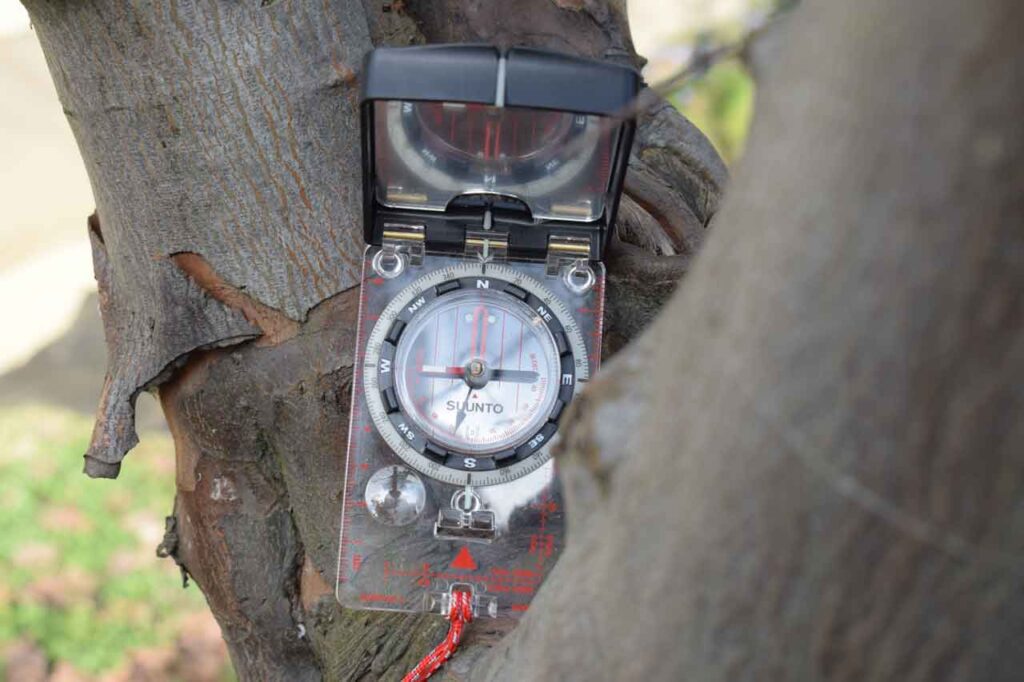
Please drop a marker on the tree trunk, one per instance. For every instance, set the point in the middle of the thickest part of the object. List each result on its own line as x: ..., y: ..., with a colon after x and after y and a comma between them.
x: 809, y: 467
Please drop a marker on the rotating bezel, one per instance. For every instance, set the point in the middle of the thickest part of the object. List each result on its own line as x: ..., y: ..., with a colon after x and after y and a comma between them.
x: 406, y: 438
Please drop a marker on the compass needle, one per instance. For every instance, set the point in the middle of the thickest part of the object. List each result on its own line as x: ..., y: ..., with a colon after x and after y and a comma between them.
x: 461, y: 415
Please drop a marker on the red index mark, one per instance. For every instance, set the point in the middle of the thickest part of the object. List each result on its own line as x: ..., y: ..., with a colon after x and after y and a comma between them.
x: 478, y: 340
x: 464, y: 560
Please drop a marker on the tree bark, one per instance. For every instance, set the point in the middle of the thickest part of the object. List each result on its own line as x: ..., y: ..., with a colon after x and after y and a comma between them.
x: 808, y: 468
x: 824, y: 460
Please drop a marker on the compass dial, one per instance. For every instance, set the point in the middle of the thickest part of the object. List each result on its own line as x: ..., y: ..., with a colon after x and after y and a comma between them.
x: 476, y: 371
x: 469, y: 371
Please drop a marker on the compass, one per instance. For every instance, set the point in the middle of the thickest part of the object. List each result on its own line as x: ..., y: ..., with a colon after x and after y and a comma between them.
x: 469, y: 370
x: 491, y: 180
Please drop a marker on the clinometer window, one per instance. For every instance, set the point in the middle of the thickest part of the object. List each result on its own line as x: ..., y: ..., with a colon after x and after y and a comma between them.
x: 428, y: 153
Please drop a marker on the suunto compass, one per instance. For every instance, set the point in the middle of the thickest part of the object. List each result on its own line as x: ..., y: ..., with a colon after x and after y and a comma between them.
x: 468, y: 371
x: 490, y: 184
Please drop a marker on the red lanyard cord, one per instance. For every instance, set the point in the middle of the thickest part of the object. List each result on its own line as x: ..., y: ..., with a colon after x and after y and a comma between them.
x: 460, y: 614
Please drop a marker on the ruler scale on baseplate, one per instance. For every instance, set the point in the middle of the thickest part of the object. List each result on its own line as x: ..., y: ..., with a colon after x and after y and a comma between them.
x: 490, y: 183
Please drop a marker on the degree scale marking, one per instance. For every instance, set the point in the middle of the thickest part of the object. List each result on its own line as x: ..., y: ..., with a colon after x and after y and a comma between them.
x: 374, y: 345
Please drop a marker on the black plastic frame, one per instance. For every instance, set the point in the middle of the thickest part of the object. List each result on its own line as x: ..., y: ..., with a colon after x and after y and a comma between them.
x: 533, y: 78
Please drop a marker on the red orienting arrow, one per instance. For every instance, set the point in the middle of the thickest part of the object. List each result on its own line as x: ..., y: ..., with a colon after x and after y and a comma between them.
x: 464, y: 560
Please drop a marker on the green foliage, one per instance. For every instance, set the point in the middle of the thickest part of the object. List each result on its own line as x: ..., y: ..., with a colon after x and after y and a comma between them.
x: 78, y: 574
x: 721, y: 104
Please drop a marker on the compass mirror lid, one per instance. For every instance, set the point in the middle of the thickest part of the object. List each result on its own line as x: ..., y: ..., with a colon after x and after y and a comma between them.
x: 449, y: 130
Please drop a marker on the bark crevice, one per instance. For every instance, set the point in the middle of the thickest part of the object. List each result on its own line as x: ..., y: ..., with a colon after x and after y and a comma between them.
x: 274, y: 324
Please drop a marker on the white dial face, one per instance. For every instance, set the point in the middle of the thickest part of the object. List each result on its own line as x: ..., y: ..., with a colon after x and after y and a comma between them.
x: 477, y: 371
x: 468, y: 370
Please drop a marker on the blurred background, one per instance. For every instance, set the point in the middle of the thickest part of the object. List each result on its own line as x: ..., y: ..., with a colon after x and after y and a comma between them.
x: 82, y: 593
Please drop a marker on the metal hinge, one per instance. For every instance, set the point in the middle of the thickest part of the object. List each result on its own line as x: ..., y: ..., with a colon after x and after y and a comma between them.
x: 486, y: 244
x: 406, y: 239
x: 569, y: 257
x: 564, y: 250
x: 401, y: 245
x: 490, y: 246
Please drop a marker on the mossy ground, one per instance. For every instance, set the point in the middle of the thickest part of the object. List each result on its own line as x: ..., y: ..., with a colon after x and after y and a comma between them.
x: 80, y: 583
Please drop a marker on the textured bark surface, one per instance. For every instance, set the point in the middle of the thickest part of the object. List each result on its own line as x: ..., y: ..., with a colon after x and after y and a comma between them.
x: 224, y: 129
x: 823, y: 469
x: 221, y: 140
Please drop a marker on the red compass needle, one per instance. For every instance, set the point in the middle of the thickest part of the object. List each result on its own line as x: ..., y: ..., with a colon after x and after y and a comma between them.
x: 442, y: 372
